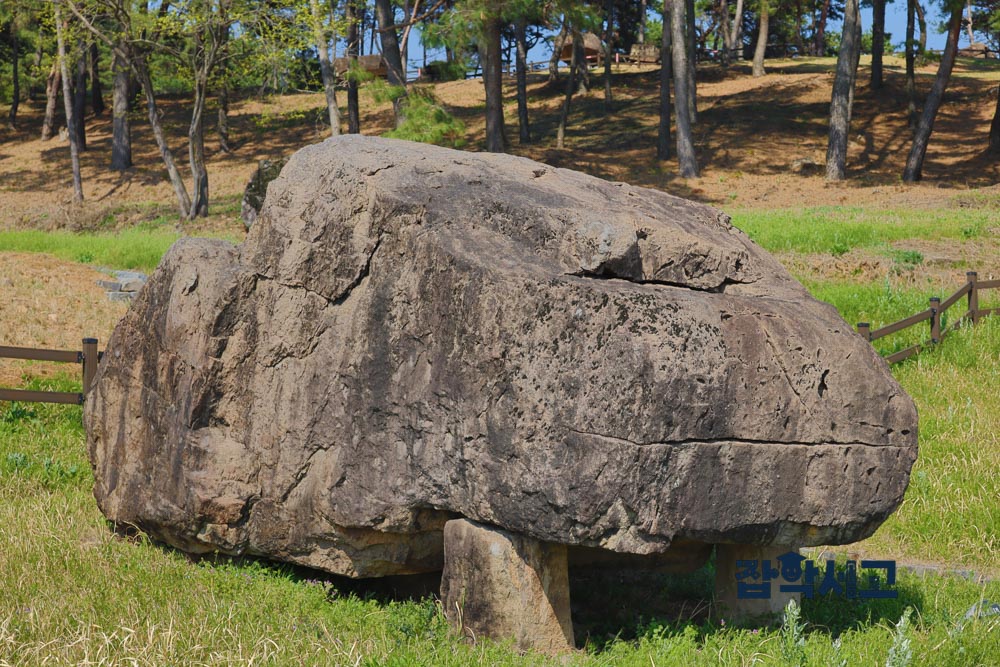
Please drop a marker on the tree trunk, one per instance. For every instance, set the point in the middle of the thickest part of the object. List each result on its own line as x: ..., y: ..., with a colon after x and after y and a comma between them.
x: 799, y: 40
x: 325, y: 69
x: 557, y: 46
x: 52, y: 85
x: 392, y: 56
x: 911, y: 85
x: 80, y: 96
x: 222, y: 117
x: 353, y: 44
x: 666, y: 72
x: 582, y: 68
x: 687, y: 163
x: 994, y: 147
x: 570, y: 87
x: 409, y: 17
x: 33, y: 85
x: 734, y: 36
x: 915, y: 162
x: 689, y: 43
x: 758, y: 54
x: 609, y: 17
x: 74, y: 146
x: 723, y: 30
x: 207, y: 42
x: 363, y: 26
x: 96, y: 95
x: 121, y: 131
x: 196, y: 149
x: 153, y: 112
x: 642, y: 22
x: 521, y: 37
x: 968, y: 21
x: 843, y: 85
x: 493, y: 80
x: 820, y: 37
x: 854, y: 71
x: 878, y: 42
x: 15, y: 73
x: 404, y: 44
x: 922, y: 24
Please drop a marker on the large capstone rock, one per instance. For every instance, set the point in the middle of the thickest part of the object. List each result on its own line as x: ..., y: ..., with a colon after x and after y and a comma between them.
x: 411, y: 334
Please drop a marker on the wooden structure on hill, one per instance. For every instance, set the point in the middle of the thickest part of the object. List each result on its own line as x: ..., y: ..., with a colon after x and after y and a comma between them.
x: 373, y: 64
x: 593, y: 49
x: 644, y: 54
x: 977, y: 50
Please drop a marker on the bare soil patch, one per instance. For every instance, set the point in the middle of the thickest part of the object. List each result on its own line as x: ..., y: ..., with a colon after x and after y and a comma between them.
x: 942, y: 262
x: 52, y: 304
x: 750, y: 136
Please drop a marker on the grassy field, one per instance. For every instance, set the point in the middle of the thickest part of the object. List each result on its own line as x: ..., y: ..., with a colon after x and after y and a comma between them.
x: 74, y: 593
x: 129, y: 249
x: 136, y: 248
x: 837, y: 230
x: 71, y: 592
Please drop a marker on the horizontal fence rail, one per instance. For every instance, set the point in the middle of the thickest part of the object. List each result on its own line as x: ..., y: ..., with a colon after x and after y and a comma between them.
x: 88, y: 357
x: 972, y: 315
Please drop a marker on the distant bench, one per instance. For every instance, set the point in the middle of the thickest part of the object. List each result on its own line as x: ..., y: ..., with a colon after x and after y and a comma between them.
x: 977, y: 50
x: 644, y: 54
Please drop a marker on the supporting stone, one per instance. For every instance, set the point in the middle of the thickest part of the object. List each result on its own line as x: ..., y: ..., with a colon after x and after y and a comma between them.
x: 506, y: 586
x: 728, y: 604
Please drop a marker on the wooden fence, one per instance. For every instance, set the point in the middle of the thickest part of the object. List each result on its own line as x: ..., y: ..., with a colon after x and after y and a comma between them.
x: 88, y: 357
x: 972, y: 315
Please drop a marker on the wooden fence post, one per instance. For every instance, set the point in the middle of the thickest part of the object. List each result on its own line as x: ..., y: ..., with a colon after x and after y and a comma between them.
x: 935, y: 319
x: 865, y: 329
x: 971, y: 276
x: 90, y: 359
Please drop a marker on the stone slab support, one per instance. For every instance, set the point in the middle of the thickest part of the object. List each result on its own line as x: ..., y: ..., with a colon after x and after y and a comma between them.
x: 728, y: 604
x: 506, y: 586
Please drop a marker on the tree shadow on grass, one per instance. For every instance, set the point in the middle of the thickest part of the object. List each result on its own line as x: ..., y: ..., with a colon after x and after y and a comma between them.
x: 627, y: 605
x: 837, y: 614
x: 608, y: 604
x: 397, y: 588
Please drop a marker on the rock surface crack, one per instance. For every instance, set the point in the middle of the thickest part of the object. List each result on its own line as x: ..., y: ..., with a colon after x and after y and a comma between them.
x: 718, y: 289
x: 723, y: 441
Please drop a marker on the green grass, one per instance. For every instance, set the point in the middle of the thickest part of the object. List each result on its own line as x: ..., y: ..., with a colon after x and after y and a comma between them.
x: 428, y: 121
x: 838, y: 230
x: 951, y: 513
x: 881, y: 304
x: 139, y: 249
x: 75, y: 592
x: 832, y: 230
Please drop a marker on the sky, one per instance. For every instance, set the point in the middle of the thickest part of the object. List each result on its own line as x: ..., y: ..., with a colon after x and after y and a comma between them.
x: 895, y: 25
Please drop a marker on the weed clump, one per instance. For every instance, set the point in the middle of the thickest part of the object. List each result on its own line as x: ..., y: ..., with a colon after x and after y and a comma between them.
x: 425, y: 118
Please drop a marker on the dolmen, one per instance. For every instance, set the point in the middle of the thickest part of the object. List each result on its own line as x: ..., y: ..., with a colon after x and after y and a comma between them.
x: 422, y: 360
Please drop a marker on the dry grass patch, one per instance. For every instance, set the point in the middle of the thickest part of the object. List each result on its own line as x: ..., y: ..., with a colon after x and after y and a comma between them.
x: 50, y: 303
x: 749, y: 136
